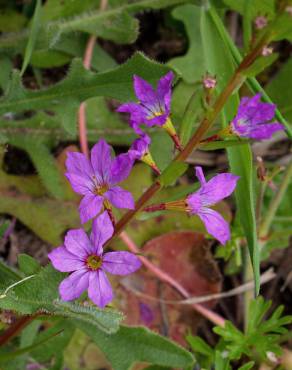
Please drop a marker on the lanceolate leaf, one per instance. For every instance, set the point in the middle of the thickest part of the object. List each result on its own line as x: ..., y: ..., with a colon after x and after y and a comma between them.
x: 220, y: 63
x: 80, y: 85
x: 138, y: 344
x: 32, y: 36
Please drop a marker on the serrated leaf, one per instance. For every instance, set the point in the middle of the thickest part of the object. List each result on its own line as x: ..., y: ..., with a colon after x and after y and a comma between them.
x: 80, y: 85
x: 116, y: 24
x: 40, y: 294
x: 27, y: 264
x: 138, y: 344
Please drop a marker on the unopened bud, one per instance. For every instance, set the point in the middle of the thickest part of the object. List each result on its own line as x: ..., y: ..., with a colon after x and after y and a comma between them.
x: 267, y: 50
x: 260, y: 22
x: 288, y: 9
x: 209, y: 82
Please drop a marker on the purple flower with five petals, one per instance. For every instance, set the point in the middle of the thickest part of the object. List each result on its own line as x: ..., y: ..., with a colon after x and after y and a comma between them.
x: 252, y: 119
x: 97, y: 178
x: 84, y: 258
x: 154, y: 106
x: 210, y: 193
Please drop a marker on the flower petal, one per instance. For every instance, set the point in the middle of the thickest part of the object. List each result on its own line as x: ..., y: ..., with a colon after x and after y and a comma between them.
x: 79, y: 172
x: 74, y: 285
x: 120, y: 198
x: 164, y: 90
x: 78, y: 243
x: 200, y: 175
x: 78, y: 164
x: 100, y: 290
x: 120, y: 263
x: 218, y: 188
x: 265, y: 131
x: 140, y: 147
x: 64, y: 261
x: 101, y: 161
x: 121, y: 168
x: 80, y: 185
x: 144, y: 91
x: 215, y: 224
x: 89, y: 207
x: 102, y: 230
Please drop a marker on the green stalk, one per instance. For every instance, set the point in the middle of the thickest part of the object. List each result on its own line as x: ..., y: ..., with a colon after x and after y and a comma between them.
x: 275, y: 203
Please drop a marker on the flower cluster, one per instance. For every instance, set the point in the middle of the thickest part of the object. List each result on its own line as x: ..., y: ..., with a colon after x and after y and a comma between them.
x: 97, y: 179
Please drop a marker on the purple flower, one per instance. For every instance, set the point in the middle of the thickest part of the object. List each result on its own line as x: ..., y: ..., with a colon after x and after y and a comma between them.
x: 84, y: 258
x: 154, y: 106
x: 140, y: 147
x: 252, y: 119
x: 210, y: 193
x: 97, y: 178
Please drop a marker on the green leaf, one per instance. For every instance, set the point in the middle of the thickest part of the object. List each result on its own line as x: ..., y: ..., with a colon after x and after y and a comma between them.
x: 80, y: 85
x: 3, y: 227
x: 215, y: 145
x: 247, y: 366
x: 260, y: 65
x: 263, y: 7
x: 191, y: 66
x: 262, y: 335
x: 191, y: 114
x: 116, y: 24
x: 172, y: 173
x: 40, y: 293
x: 199, y: 346
x: 32, y: 36
x: 221, y: 64
x: 138, y: 344
x: 279, y: 89
x: 27, y: 264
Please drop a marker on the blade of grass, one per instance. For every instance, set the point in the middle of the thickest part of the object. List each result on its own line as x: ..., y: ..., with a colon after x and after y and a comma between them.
x: 35, y: 25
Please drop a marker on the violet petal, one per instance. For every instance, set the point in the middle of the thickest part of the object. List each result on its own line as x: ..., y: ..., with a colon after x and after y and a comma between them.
x: 64, y: 261
x: 101, y: 160
x: 120, y: 198
x: 78, y: 243
x: 120, y: 263
x: 102, y: 230
x: 100, y: 290
x: 90, y: 206
x: 215, y: 224
x: 74, y: 285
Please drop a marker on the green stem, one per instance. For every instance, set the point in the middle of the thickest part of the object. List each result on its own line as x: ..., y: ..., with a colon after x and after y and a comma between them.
x: 236, y: 80
x: 251, y: 82
x: 275, y: 203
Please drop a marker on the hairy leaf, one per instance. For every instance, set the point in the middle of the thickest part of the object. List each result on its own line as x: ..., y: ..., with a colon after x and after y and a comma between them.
x: 40, y: 294
x: 138, y: 344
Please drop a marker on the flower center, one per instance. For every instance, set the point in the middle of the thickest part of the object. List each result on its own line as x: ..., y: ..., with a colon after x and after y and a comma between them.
x: 93, y: 262
x: 101, y: 189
